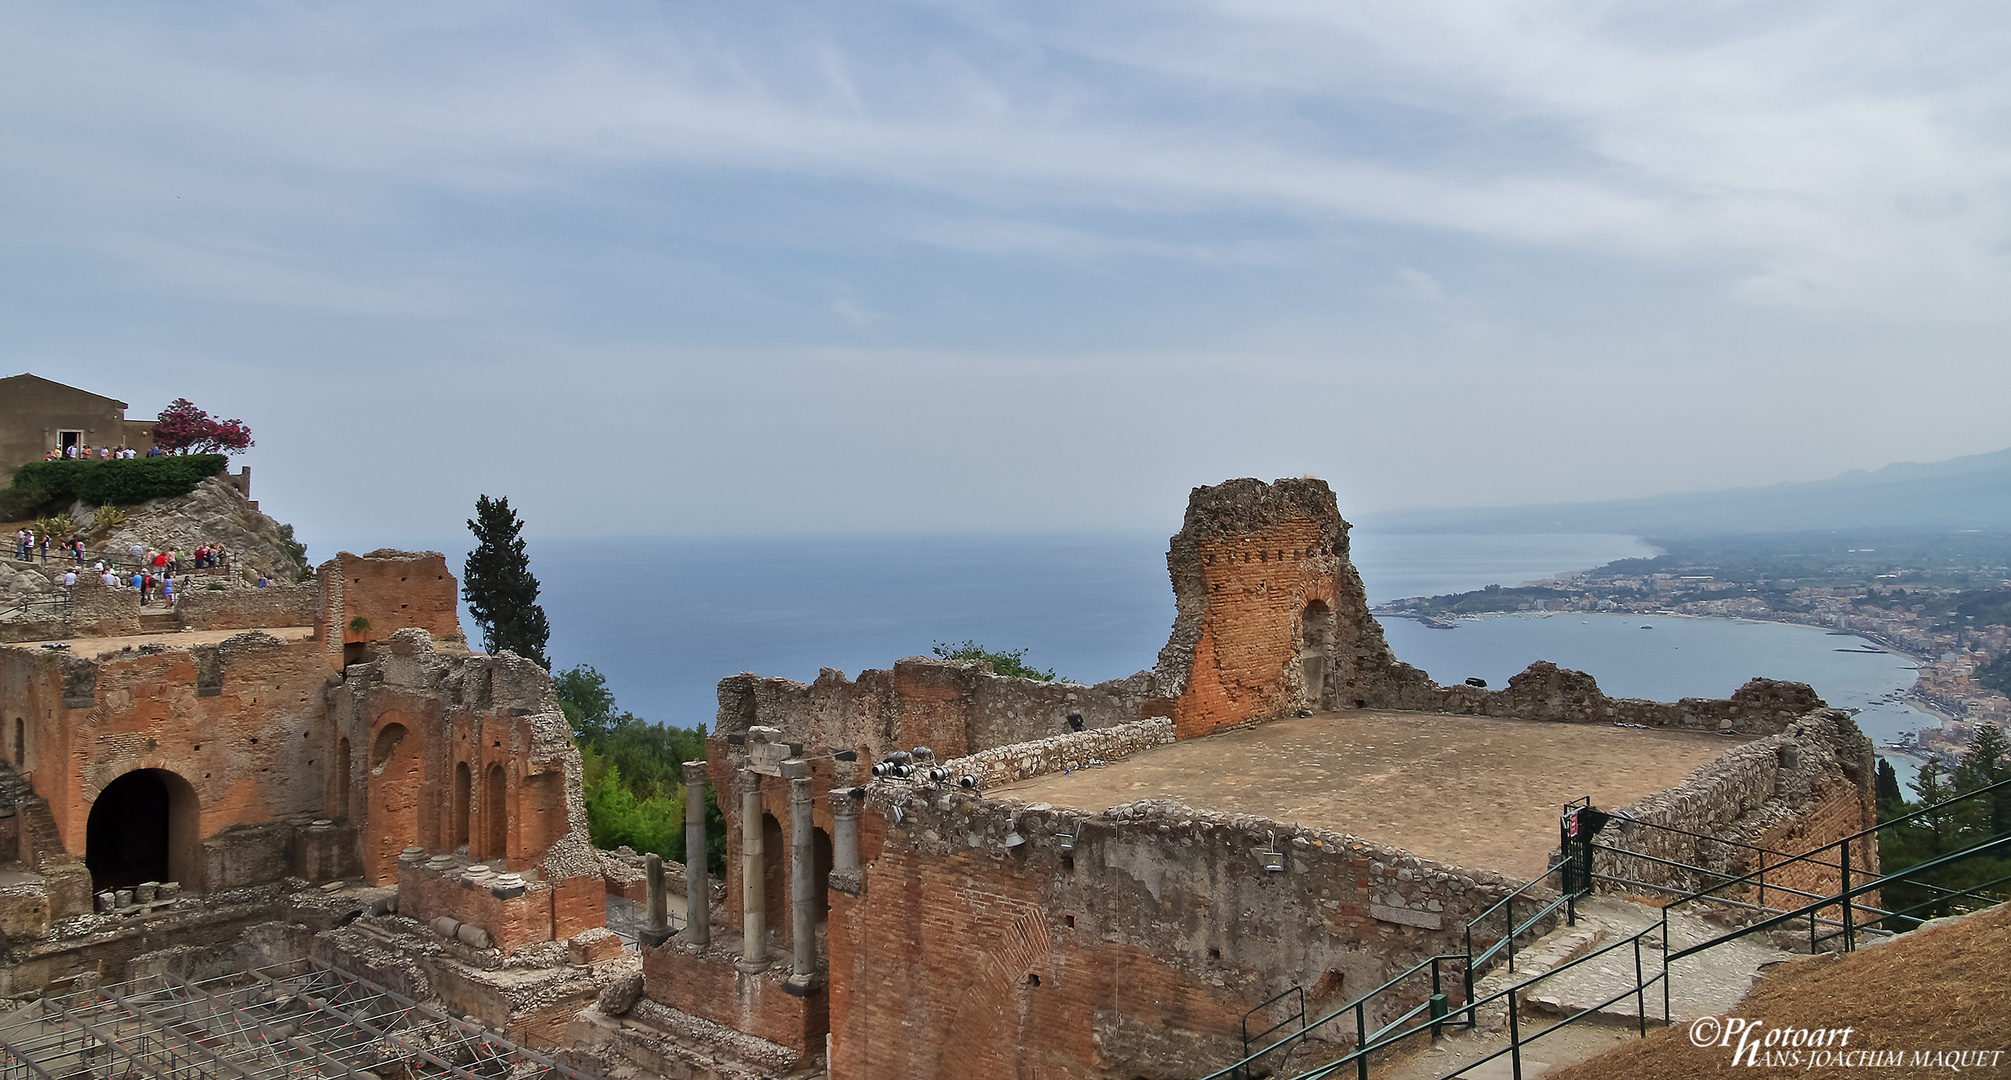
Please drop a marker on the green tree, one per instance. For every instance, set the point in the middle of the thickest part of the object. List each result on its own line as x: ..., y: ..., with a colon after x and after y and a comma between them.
x: 1891, y: 801
x: 586, y: 701
x: 1011, y: 663
x: 1987, y: 762
x: 497, y: 583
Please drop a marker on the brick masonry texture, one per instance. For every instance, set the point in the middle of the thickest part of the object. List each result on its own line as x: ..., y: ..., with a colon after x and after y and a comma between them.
x: 279, y: 760
x: 1135, y: 953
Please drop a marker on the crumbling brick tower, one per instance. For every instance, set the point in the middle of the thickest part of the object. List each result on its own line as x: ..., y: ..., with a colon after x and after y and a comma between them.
x: 1270, y: 616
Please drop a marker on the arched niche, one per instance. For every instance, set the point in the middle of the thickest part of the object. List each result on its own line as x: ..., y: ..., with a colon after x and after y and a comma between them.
x: 1316, y: 633
x: 392, y: 791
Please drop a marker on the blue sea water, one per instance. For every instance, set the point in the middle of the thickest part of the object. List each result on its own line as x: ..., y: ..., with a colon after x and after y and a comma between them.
x: 664, y: 620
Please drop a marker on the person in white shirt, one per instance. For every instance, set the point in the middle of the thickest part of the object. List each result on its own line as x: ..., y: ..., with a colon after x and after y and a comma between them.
x: 69, y: 578
x: 110, y: 579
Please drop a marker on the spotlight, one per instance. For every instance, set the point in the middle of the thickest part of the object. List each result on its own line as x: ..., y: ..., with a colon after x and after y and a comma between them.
x: 969, y: 782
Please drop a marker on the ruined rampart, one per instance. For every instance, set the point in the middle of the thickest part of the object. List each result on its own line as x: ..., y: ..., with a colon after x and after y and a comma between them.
x: 1759, y: 804
x: 1547, y: 692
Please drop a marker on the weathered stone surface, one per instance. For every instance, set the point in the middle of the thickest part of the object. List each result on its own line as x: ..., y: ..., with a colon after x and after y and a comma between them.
x: 213, y: 513
x: 621, y: 995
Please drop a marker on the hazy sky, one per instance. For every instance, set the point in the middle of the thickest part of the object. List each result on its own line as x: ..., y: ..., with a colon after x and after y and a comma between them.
x: 723, y: 268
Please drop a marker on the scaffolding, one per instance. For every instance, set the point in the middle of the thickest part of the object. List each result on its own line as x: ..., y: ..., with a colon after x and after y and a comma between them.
x: 300, y: 1020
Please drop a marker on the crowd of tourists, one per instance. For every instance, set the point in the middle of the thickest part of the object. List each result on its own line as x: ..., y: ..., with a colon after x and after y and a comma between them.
x: 101, y: 453
x: 155, y: 572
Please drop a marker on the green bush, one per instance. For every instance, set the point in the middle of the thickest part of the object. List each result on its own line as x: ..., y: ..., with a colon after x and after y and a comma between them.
x: 117, y: 483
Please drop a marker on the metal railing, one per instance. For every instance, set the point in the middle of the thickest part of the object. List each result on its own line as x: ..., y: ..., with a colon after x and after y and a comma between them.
x: 1853, y: 885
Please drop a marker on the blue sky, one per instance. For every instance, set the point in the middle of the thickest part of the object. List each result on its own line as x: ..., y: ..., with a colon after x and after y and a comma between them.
x: 761, y: 268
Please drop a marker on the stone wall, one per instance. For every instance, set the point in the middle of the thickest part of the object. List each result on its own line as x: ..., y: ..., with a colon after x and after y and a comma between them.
x: 1547, y: 692
x: 96, y: 610
x: 1075, y: 750
x: 953, y: 707
x: 248, y: 608
x: 1764, y: 800
x: 1135, y: 952
x: 706, y: 983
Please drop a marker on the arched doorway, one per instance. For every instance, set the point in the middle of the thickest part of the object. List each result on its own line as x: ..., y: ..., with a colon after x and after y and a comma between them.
x: 457, y: 836
x: 144, y: 826
x: 1315, y: 631
x: 496, y: 822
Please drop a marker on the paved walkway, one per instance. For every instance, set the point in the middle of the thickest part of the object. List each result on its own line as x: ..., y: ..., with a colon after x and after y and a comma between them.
x: 173, y: 639
x: 1471, y: 791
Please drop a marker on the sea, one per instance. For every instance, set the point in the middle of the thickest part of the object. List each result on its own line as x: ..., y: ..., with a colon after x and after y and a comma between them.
x: 665, y: 619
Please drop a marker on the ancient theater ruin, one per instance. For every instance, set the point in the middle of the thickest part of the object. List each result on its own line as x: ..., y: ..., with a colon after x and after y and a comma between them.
x: 932, y: 871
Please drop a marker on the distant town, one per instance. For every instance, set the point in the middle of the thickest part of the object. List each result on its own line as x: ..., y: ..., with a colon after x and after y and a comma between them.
x: 1941, y: 599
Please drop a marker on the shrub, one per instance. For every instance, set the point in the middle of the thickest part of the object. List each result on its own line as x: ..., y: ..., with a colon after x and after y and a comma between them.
x: 117, y: 483
x: 58, y: 528
x: 107, y: 518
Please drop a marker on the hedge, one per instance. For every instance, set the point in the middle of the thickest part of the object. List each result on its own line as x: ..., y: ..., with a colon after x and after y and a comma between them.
x: 120, y: 483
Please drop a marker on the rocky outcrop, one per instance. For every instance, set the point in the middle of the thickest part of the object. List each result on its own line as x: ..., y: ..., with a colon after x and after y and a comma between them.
x: 214, y: 513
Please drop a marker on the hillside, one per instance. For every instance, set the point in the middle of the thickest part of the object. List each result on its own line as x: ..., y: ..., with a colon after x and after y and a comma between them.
x: 1962, y: 493
x: 214, y: 513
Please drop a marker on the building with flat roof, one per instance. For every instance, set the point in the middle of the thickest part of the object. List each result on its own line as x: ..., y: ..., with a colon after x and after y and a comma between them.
x: 38, y: 415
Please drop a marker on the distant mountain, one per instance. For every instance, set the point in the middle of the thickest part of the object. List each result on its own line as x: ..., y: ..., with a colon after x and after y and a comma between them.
x: 1962, y: 493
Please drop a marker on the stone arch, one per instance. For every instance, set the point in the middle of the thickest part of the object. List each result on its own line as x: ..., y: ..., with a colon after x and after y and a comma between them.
x: 495, y: 819
x: 144, y: 826
x: 457, y: 814
x: 393, y: 788
x: 1316, y: 632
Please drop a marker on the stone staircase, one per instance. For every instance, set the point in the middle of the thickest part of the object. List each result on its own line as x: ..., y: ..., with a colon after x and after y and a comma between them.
x: 42, y: 850
x: 1710, y: 983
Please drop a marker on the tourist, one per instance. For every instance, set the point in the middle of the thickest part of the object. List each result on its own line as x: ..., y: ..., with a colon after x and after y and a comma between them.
x: 69, y: 578
x: 110, y: 579
x: 78, y: 547
x: 137, y: 552
x: 263, y: 581
x: 168, y: 591
x: 138, y: 580
x: 45, y: 547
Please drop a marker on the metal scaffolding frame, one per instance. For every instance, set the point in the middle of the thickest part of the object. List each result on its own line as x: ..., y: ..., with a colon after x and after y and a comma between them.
x: 300, y: 1020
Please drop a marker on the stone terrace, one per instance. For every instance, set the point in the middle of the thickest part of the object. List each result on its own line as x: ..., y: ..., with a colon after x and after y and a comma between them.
x: 1470, y: 791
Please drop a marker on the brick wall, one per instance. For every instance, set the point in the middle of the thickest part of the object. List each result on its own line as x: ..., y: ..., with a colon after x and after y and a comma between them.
x: 707, y: 984
x: 390, y: 589
x: 1136, y: 953
x: 1270, y: 616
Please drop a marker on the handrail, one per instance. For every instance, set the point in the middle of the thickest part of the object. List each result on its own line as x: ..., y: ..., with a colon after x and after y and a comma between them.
x: 1627, y: 821
x: 1233, y: 1068
x: 1841, y: 898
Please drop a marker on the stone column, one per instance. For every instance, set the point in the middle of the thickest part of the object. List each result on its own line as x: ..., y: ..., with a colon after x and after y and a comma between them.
x: 802, y: 872
x: 697, y: 882
x: 659, y: 925
x: 844, y: 830
x: 753, y: 901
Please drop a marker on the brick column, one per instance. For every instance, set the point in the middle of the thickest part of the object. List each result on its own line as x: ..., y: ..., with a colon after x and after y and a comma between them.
x: 753, y: 902
x: 697, y: 883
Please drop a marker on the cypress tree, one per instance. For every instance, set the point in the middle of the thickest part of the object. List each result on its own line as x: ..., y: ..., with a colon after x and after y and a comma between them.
x: 497, y: 583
